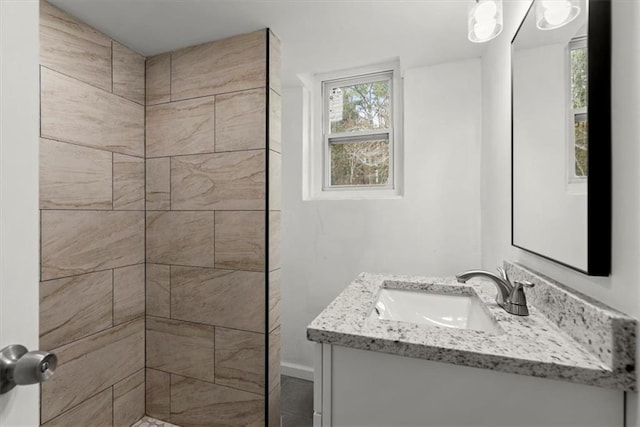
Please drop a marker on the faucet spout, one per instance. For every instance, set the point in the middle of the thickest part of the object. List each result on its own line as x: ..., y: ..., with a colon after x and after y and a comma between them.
x: 502, y: 284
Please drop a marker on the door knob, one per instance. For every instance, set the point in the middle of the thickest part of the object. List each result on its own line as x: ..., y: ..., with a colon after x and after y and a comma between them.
x: 21, y: 367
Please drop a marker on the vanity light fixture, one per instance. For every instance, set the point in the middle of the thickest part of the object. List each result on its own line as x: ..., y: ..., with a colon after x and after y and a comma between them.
x: 552, y: 14
x: 484, y: 20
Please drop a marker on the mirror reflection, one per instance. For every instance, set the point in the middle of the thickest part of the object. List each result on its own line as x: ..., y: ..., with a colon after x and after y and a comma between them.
x: 550, y: 132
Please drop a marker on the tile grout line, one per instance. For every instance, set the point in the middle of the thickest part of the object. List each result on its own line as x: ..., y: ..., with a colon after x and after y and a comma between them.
x: 91, y: 85
x: 266, y: 227
x: 113, y: 298
x: 166, y: 156
x: 76, y: 405
x: 204, y: 325
x: 113, y: 179
x: 214, y: 238
x: 92, y: 147
x: 211, y: 95
x: 113, y: 407
x: 215, y: 328
x: 93, y: 272
x: 93, y: 334
x: 95, y: 210
x: 111, y: 52
x: 144, y: 151
x: 207, y: 382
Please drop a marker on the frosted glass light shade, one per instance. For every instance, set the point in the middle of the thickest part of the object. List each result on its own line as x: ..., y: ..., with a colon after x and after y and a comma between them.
x: 484, y: 20
x: 552, y: 14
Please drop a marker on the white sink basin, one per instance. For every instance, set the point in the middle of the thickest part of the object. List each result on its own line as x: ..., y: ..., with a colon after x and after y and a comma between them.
x: 434, y: 309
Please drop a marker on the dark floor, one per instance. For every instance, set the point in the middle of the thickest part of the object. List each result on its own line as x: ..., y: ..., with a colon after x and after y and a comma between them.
x: 296, y: 402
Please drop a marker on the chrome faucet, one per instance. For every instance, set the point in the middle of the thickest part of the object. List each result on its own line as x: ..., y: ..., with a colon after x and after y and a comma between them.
x: 510, y: 297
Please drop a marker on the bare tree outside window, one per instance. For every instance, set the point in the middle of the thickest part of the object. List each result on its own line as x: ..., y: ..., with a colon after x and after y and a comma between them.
x: 579, y: 86
x: 360, y: 122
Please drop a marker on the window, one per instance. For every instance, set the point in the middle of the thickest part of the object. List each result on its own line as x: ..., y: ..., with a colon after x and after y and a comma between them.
x: 357, y: 128
x: 579, y: 124
x: 352, y: 133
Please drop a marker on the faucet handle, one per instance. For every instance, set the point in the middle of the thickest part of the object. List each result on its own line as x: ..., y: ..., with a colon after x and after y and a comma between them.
x: 503, y: 274
x: 518, y: 300
x: 524, y: 283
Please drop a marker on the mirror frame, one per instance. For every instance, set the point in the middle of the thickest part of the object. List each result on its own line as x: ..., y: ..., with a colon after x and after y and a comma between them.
x: 599, y: 154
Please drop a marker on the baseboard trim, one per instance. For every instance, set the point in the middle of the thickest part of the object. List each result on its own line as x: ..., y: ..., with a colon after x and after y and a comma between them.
x: 297, y: 371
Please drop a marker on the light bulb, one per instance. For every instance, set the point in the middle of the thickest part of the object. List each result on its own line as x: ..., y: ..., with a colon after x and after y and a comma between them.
x: 484, y: 29
x: 553, y: 14
x: 484, y: 20
x: 556, y: 12
x: 485, y: 11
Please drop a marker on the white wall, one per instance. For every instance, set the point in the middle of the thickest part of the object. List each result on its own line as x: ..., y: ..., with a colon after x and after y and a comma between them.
x: 433, y: 230
x: 550, y: 215
x: 622, y: 289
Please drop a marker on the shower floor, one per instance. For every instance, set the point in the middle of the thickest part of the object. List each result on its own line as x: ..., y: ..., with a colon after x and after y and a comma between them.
x: 296, y: 409
x: 152, y: 422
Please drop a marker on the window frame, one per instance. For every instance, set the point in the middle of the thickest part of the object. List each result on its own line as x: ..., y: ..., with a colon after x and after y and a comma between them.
x: 313, y: 143
x: 356, y: 136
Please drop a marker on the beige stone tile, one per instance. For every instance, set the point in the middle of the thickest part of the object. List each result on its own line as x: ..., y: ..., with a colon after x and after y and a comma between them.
x: 180, y: 348
x: 229, y: 65
x: 274, y: 240
x: 76, y: 242
x: 74, y: 177
x: 275, y: 122
x: 128, y: 182
x: 159, y: 183
x: 275, y: 68
x: 158, y: 394
x: 76, y: 112
x: 275, y: 302
x: 71, y: 47
x: 197, y: 403
x: 159, y: 79
x: 221, y: 181
x: 128, y: 73
x: 92, y: 364
x: 183, y: 238
x: 274, y: 407
x: 179, y: 128
x: 275, y: 181
x: 240, y: 120
x: 240, y: 240
x: 274, y: 358
x: 158, y: 290
x: 96, y: 411
x: 240, y: 360
x: 234, y: 299
x: 74, y: 307
x: 128, y: 400
x: 128, y: 293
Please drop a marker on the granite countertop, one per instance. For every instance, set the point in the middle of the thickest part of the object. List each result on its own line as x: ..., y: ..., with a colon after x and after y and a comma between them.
x: 600, y: 352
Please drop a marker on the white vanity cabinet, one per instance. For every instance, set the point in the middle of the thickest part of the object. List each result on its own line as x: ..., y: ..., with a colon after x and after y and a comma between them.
x: 568, y: 363
x: 366, y: 388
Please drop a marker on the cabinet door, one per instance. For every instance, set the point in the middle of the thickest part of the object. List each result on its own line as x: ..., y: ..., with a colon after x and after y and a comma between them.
x: 375, y: 389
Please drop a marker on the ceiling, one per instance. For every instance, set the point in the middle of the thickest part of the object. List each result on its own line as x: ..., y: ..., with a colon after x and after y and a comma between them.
x: 317, y: 35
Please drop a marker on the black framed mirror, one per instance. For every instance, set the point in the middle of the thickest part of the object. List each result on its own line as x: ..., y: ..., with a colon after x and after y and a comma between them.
x: 561, y: 134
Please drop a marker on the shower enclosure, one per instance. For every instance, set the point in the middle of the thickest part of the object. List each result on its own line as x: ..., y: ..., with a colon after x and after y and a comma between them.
x: 160, y: 223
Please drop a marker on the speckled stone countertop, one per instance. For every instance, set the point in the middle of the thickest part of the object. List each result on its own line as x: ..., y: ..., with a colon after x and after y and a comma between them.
x: 602, y: 355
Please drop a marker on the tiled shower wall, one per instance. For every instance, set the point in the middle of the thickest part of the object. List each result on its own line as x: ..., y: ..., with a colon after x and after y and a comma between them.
x: 212, y: 157
x: 212, y: 186
x: 92, y: 224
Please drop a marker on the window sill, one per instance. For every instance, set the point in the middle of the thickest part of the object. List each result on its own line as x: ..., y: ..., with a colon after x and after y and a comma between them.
x: 356, y: 194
